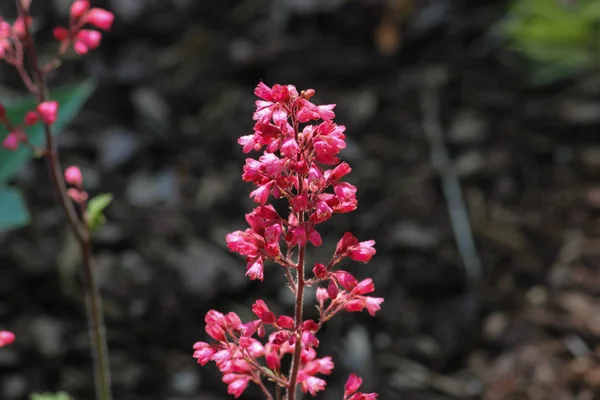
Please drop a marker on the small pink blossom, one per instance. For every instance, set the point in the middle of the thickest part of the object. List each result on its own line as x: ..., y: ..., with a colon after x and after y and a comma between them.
x: 6, y: 338
x: 352, y: 384
x: 73, y: 176
x: 48, y: 111
x: 100, y: 18
x: 11, y: 141
x: 31, y: 118
x: 78, y: 8
x: 87, y: 39
x: 362, y: 252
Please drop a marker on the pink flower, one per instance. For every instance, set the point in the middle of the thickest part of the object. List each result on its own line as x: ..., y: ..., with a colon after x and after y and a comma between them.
x: 73, y: 176
x: 255, y: 269
x: 11, y: 141
x: 261, y: 194
x: 264, y: 92
x: 236, y: 384
x: 312, y: 385
x: 31, y: 118
x: 285, y: 322
x: 86, y: 39
x: 320, y: 270
x: 203, y: 352
x: 365, y: 286
x: 261, y: 310
x: 78, y: 196
x: 352, y: 385
x: 345, y: 279
x: 372, y: 304
x: 48, y: 110
x: 79, y: 7
x: 6, y: 338
x: 18, y: 26
x: 345, y: 242
x: 100, y: 18
x: 332, y: 290
x: 60, y: 33
x: 321, y: 295
x: 362, y: 252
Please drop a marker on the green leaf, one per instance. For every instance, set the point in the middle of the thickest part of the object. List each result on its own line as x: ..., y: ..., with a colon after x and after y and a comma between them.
x: 71, y: 99
x: 50, y: 396
x: 13, y: 211
x: 95, y: 210
x: 558, y: 38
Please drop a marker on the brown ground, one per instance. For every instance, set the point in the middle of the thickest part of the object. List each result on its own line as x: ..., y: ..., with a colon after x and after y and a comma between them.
x: 176, y: 91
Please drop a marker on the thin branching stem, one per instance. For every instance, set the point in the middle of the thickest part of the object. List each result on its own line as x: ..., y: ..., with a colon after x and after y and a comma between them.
x: 78, y: 226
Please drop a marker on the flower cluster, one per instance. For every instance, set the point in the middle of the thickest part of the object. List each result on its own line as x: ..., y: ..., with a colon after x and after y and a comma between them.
x: 83, y: 40
x: 300, y: 165
x: 11, y: 49
x: 238, y: 355
x: 46, y: 112
x: 13, y: 43
x: 6, y: 338
x: 74, y: 178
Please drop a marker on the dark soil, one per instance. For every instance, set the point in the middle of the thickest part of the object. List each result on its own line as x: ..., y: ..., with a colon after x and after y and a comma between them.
x: 176, y: 81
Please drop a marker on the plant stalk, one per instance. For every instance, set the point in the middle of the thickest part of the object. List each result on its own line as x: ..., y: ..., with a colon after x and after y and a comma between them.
x: 299, y: 305
x: 79, y: 228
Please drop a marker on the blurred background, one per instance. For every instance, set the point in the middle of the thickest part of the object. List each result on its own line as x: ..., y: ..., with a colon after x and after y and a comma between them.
x: 501, y: 97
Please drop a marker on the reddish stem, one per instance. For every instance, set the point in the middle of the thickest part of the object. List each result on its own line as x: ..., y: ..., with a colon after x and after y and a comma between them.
x: 293, y: 378
x: 79, y: 228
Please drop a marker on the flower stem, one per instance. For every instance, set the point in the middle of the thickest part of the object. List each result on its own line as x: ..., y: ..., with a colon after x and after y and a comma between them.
x: 79, y: 228
x: 299, y: 305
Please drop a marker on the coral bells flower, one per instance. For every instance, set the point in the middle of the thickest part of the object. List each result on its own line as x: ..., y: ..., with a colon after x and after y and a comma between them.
x: 48, y: 111
x: 79, y: 7
x: 350, y: 390
x: 83, y: 40
x: 11, y: 141
x: 73, y: 176
x: 6, y: 338
x: 300, y: 165
x: 99, y: 18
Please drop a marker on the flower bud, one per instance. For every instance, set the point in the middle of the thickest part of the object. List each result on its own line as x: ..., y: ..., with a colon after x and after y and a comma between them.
x: 78, y: 8
x: 352, y: 384
x: 100, y: 18
x: 90, y: 38
x: 6, y: 338
x: 60, y: 33
x: 31, y: 118
x: 11, y: 141
x: 320, y: 270
x: 73, y: 176
x: 48, y: 111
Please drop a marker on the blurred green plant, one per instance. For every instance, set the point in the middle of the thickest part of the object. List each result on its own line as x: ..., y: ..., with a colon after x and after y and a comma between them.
x: 13, y: 212
x: 561, y: 38
x: 95, y: 210
x: 50, y: 396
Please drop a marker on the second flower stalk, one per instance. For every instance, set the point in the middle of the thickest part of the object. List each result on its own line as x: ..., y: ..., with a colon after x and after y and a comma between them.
x: 299, y: 165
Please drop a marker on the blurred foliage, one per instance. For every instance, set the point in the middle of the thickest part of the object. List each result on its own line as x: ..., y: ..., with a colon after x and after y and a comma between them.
x: 95, y: 210
x: 13, y: 212
x: 50, y: 396
x: 561, y: 38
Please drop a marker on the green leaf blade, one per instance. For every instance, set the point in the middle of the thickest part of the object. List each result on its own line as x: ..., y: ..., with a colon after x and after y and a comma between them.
x: 13, y: 210
x: 95, y: 210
